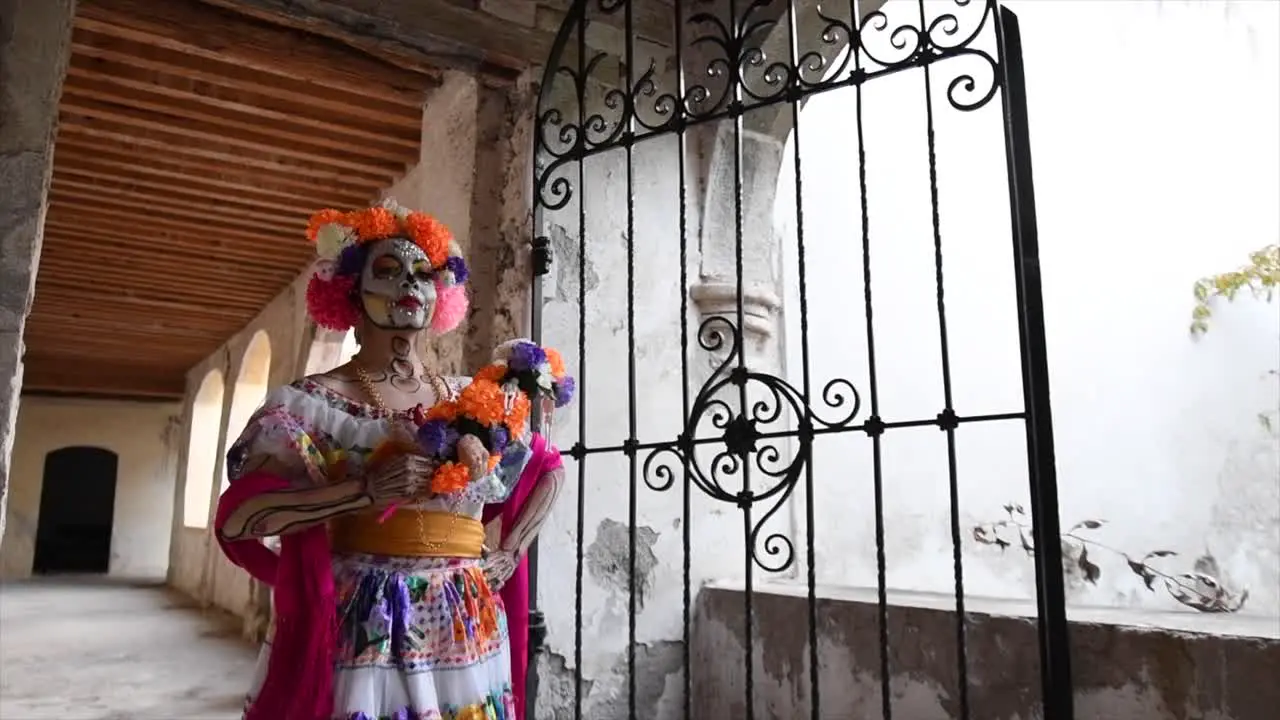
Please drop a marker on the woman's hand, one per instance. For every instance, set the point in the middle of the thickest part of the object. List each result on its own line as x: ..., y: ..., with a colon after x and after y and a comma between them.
x: 400, y: 478
x: 473, y: 456
x: 498, y: 567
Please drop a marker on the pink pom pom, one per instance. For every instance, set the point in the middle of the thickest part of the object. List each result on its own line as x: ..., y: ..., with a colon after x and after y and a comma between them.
x: 330, y: 303
x: 451, y: 308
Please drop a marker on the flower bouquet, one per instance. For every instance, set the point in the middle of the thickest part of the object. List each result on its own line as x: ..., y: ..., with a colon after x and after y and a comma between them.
x: 494, y: 409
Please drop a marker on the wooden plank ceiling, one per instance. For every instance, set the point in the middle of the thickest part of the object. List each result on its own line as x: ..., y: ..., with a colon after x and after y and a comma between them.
x: 192, y: 146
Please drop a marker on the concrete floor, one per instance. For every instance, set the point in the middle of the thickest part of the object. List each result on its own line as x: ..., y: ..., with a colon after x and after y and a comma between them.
x: 93, y: 650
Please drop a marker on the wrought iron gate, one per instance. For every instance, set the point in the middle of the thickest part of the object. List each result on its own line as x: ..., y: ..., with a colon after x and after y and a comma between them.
x: 623, y: 74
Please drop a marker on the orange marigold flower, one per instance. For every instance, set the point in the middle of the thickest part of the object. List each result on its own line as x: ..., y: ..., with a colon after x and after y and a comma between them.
x: 447, y: 411
x: 322, y: 218
x: 492, y: 373
x: 484, y: 401
x: 493, y: 462
x: 450, y: 477
x: 431, y: 235
x: 375, y: 223
x: 555, y: 361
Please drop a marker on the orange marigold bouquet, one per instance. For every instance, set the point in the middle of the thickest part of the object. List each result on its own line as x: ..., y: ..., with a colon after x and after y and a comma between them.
x: 494, y: 408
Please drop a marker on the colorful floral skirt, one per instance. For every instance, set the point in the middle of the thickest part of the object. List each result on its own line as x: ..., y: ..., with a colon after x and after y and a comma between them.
x: 419, y: 639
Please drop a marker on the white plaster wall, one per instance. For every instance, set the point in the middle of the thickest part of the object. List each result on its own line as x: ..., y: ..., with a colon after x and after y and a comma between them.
x: 604, y: 491
x: 138, y: 434
x: 1157, y: 161
x: 1154, y: 166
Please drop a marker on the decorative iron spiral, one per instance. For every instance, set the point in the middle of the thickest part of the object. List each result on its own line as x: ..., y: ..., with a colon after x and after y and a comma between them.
x: 741, y: 447
x: 585, y: 110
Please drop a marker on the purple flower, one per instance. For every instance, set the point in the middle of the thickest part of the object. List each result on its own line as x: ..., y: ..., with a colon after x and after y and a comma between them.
x: 564, y: 391
x: 500, y: 437
x: 525, y: 357
x: 433, y: 437
x: 351, y: 261
x: 458, y: 267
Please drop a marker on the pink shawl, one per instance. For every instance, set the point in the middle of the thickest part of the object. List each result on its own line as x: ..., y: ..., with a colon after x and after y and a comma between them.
x: 515, y: 593
x: 299, y: 682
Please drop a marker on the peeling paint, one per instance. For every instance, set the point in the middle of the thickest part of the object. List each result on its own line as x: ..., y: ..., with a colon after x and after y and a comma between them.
x: 609, y: 558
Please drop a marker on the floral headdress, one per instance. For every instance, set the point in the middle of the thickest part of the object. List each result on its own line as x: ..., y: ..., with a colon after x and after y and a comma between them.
x: 342, y: 243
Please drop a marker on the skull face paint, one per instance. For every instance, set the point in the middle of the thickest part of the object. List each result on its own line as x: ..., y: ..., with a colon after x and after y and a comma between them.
x: 396, y: 285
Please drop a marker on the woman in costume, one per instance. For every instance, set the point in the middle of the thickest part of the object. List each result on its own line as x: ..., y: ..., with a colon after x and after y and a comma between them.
x: 386, y: 601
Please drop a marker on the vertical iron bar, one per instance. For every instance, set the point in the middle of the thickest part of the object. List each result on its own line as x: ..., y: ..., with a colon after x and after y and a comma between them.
x: 1054, y: 634
x: 536, y: 623
x: 806, y: 436
x: 629, y: 140
x: 686, y: 536
x: 877, y: 468
x: 581, y: 142
x: 946, y: 419
x: 745, y: 499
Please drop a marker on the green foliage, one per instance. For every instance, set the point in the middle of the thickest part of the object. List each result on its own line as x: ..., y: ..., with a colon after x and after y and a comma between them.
x: 1261, y: 277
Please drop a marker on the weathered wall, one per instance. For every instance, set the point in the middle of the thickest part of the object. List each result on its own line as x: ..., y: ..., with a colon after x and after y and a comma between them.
x: 1122, y: 667
x: 33, y: 56
x: 1123, y: 217
x: 143, y: 437
x: 1158, y: 435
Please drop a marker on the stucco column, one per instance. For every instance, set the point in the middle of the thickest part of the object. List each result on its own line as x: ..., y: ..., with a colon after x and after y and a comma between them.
x: 471, y: 174
x: 34, y: 42
x: 716, y: 292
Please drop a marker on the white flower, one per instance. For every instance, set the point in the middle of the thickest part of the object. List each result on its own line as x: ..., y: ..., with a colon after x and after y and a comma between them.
x: 324, y: 269
x: 401, y: 212
x: 331, y: 238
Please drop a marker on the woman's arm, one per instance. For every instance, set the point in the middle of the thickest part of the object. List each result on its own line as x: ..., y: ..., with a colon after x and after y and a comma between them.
x: 287, y: 511
x: 501, y: 563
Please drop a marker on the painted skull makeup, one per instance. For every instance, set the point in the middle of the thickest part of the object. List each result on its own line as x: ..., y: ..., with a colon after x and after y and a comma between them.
x: 397, y: 287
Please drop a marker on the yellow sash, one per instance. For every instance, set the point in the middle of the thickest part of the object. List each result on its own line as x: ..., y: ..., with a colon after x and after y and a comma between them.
x: 408, y: 533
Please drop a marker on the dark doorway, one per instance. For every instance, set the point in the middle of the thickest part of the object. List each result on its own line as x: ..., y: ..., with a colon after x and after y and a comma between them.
x: 77, y: 506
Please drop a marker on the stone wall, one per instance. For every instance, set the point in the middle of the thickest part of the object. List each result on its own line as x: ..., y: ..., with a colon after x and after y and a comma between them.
x: 33, y: 56
x: 143, y: 437
x: 1125, y: 666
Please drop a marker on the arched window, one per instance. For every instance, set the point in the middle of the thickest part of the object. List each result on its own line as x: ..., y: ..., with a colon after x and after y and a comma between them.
x: 202, y: 450
x: 250, y: 388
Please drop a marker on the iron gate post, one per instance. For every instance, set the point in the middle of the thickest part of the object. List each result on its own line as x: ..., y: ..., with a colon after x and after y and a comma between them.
x: 1055, y: 649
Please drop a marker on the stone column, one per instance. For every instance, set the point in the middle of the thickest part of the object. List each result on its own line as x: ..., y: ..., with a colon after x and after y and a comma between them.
x: 716, y: 291
x: 471, y: 174
x: 34, y: 43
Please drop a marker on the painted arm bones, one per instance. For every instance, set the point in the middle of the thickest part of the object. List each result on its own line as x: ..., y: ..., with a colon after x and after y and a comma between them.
x: 286, y: 511
x: 500, y: 564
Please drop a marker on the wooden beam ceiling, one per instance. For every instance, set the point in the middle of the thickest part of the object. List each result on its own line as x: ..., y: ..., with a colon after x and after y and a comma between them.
x: 458, y: 34
x: 193, y: 144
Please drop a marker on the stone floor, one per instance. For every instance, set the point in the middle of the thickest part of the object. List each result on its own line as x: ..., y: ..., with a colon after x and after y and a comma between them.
x: 91, y: 650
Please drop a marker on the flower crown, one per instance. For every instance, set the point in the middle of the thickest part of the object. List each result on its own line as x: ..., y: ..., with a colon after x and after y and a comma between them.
x: 342, y: 240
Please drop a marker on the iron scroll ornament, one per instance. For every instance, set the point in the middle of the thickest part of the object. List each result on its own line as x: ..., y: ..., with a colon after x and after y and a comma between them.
x: 732, y: 75
x: 744, y: 442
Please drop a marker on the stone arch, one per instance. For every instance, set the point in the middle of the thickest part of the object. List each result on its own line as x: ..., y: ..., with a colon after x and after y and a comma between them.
x: 202, y: 450
x: 250, y: 387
